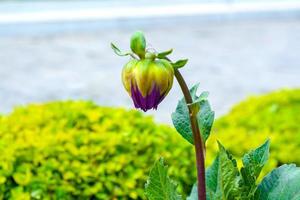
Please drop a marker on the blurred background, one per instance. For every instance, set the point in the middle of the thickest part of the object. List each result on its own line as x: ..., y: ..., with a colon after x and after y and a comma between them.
x: 53, y: 50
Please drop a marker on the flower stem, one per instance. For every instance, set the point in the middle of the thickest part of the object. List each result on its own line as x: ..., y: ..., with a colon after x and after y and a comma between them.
x: 199, y: 145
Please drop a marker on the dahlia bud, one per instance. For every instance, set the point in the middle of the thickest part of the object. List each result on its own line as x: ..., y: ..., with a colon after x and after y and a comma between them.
x: 147, y: 78
x: 147, y: 81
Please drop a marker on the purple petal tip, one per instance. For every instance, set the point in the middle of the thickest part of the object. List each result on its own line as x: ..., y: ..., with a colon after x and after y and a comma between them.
x: 151, y: 101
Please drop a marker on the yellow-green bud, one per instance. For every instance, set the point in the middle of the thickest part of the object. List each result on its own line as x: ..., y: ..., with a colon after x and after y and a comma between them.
x: 147, y: 81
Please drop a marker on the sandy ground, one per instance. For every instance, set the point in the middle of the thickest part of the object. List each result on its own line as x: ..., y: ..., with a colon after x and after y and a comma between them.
x: 231, y: 59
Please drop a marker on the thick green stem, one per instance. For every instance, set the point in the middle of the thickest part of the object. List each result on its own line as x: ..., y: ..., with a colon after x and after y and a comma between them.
x: 199, y: 145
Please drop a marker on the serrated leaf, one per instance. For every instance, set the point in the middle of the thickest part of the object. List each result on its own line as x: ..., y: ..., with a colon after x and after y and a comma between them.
x: 118, y: 51
x: 180, y: 63
x: 181, y: 119
x: 202, y: 97
x: 283, y: 183
x: 256, y: 159
x: 211, y: 176
x: 181, y: 122
x: 205, y: 116
x: 253, y: 162
x: 229, y: 180
x: 223, y: 180
x: 159, y: 186
x: 164, y: 54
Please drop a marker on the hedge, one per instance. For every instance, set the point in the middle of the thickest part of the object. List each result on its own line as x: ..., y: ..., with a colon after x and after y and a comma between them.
x: 78, y: 150
x: 275, y: 115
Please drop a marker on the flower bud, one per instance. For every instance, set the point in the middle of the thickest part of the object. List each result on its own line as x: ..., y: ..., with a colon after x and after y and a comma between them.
x: 147, y: 81
x: 138, y: 44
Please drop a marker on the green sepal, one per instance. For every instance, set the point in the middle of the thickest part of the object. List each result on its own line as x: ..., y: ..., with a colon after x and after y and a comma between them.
x: 179, y: 63
x: 159, y: 186
x: 163, y: 54
x: 138, y: 44
x: 118, y: 51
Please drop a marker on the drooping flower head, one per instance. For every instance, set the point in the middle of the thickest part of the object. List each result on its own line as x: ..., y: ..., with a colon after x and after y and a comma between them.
x: 147, y: 81
x: 148, y: 78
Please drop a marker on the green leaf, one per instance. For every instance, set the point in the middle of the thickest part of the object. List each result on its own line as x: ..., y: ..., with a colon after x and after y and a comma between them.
x: 253, y: 162
x: 211, y: 176
x: 181, y: 119
x: 202, y: 97
x: 180, y: 63
x: 198, y: 100
x: 283, y: 183
x: 205, y: 116
x: 229, y: 180
x: 159, y: 186
x: 118, y: 51
x: 256, y: 159
x: 194, y: 193
x: 223, y: 180
x: 162, y: 55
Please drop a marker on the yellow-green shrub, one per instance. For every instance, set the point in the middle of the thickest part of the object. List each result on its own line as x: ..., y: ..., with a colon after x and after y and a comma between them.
x: 251, y: 122
x: 77, y: 150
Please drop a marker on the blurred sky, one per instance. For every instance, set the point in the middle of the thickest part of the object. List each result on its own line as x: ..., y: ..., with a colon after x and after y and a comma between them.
x: 53, y: 50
